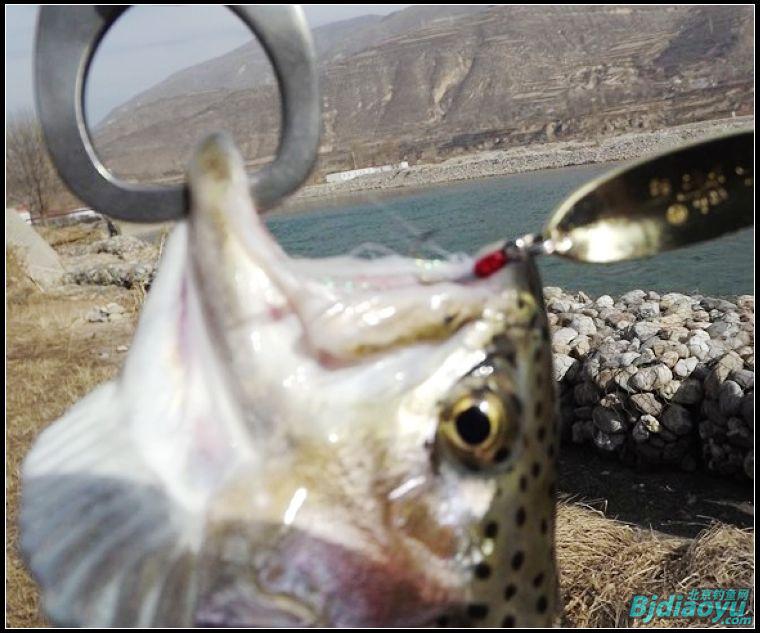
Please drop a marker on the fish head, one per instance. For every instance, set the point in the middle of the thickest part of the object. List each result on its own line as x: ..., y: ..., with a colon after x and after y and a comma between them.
x: 337, y: 442
x: 403, y: 416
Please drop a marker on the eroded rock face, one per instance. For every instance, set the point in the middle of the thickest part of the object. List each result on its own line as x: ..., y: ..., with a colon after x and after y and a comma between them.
x: 660, y: 390
x: 475, y: 79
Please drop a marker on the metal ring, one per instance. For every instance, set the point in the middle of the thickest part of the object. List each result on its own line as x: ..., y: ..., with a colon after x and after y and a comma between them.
x: 66, y: 41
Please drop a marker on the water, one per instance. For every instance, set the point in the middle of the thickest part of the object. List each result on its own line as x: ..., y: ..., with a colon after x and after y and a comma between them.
x: 466, y: 216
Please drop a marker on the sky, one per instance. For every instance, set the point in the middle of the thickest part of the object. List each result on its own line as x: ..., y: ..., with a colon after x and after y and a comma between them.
x: 147, y: 44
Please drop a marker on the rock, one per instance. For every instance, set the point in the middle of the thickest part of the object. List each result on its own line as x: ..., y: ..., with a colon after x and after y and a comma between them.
x: 586, y: 393
x: 648, y: 310
x: 639, y: 433
x: 96, y: 315
x: 748, y: 465
x: 685, y: 366
x: 645, y: 329
x: 563, y: 336
x: 738, y: 434
x: 121, y: 348
x: 564, y: 366
x: 650, y: 378
x: 677, y: 419
x: 748, y: 408
x: 730, y: 398
x: 581, y: 345
x: 634, y: 296
x: 582, y: 431
x: 583, y: 325
x: 607, y: 442
x: 608, y: 420
x: 605, y: 301
x: 722, y: 329
x: 668, y: 390
x: 689, y: 392
x: 670, y: 358
x: 41, y: 262
x: 559, y: 305
x: 552, y: 292
x: 650, y: 423
x: 646, y: 403
x: 744, y: 378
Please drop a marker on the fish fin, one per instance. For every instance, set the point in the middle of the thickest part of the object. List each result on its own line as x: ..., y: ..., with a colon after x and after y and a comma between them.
x: 115, y: 494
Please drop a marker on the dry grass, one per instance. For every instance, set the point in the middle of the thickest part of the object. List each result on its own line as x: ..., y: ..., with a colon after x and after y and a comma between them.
x: 53, y: 359
x: 19, y: 287
x: 80, y: 233
x: 603, y: 563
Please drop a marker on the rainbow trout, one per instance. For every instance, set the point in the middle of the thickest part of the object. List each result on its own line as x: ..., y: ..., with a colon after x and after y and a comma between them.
x: 330, y: 442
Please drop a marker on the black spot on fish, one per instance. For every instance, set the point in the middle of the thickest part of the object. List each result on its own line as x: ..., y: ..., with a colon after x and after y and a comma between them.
x: 536, y: 469
x: 517, y: 560
x: 538, y: 580
x: 552, y: 490
x: 550, y: 450
x: 520, y: 516
x: 517, y: 404
x: 539, y: 409
x: 541, y: 433
x: 509, y: 592
x: 477, y: 611
x: 442, y: 621
x: 501, y: 455
x: 483, y: 571
x: 542, y: 604
x: 508, y: 622
x: 544, y: 526
x: 523, y: 483
x: 492, y: 528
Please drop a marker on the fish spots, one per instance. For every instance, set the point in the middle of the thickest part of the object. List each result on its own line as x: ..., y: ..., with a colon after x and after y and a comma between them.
x: 544, y: 526
x: 535, y: 470
x: 508, y: 622
x: 517, y: 560
x: 477, y: 611
x: 520, y: 517
x: 538, y: 410
x: 538, y: 580
x: 541, y: 433
x: 491, y: 529
x: 510, y: 592
x: 542, y: 604
x: 501, y: 455
x: 482, y: 571
x: 523, y: 483
x: 442, y: 621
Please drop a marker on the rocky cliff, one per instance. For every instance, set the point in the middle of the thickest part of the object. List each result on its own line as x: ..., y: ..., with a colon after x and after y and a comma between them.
x: 426, y: 86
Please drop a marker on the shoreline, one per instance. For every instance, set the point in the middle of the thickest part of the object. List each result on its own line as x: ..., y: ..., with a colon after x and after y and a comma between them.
x: 493, y: 163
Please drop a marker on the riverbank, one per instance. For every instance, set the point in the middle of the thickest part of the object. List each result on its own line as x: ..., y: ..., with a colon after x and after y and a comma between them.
x: 521, y: 159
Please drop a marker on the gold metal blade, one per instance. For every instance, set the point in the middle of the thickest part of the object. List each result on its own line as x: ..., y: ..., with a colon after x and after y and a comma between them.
x: 682, y: 197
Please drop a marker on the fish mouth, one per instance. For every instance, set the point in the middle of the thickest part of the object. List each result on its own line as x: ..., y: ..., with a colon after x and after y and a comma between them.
x: 310, y: 582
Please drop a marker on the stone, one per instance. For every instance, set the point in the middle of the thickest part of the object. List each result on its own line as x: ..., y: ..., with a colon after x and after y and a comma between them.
x: 586, y: 393
x: 649, y: 378
x: 685, y: 366
x: 606, y: 442
x: 744, y: 378
x: 559, y: 305
x: 646, y: 403
x: 552, y: 292
x: 634, y: 296
x: 730, y: 398
x: 563, y: 336
x: 676, y: 419
x: 40, y: 261
x: 583, y: 324
x: 605, y: 301
x: 648, y: 310
x: 748, y: 408
x: 689, y: 392
x: 581, y: 345
x: 645, y: 329
x: 639, y: 433
x: 670, y: 358
x: 608, y: 420
x: 650, y: 423
x: 564, y: 366
x: 738, y: 434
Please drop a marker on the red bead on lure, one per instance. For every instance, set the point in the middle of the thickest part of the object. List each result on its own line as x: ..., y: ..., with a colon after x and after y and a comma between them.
x: 490, y: 263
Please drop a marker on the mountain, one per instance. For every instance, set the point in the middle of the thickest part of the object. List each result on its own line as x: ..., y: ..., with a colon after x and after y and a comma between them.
x: 429, y: 82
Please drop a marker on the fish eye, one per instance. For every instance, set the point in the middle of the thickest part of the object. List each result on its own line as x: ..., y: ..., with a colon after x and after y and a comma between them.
x: 478, y: 430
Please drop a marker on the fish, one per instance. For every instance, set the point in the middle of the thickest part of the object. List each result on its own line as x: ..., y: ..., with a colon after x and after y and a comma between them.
x: 305, y: 442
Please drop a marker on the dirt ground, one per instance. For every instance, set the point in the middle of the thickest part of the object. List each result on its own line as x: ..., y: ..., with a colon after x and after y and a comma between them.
x: 674, y: 530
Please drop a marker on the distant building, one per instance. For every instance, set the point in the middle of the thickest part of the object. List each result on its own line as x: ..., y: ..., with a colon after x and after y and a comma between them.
x: 343, y: 176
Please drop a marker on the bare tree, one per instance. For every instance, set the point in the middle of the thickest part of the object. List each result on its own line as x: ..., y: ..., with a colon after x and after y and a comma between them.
x: 30, y: 176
